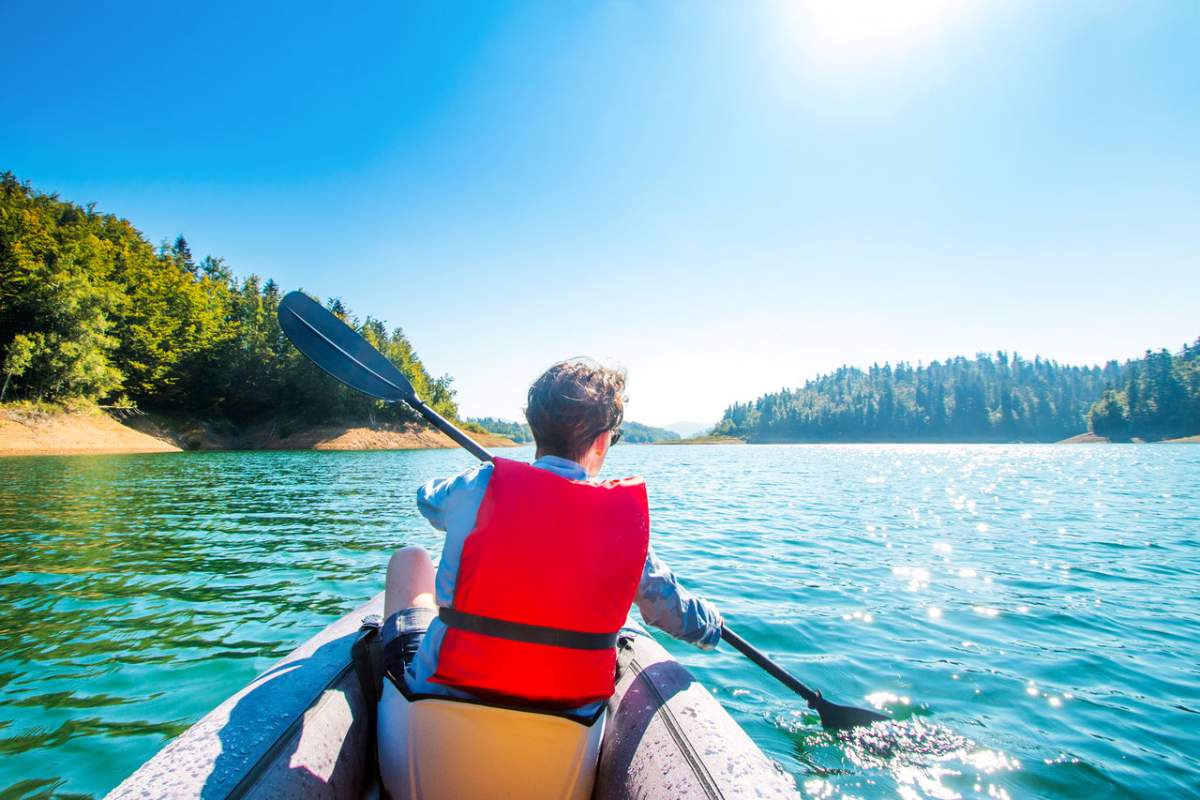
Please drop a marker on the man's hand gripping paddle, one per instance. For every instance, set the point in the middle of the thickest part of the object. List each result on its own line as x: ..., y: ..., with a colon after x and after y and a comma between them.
x: 336, y: 348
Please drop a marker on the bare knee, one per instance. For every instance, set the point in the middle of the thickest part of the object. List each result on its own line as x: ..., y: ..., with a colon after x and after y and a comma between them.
x: 410, y: 580
x: 410, y: 559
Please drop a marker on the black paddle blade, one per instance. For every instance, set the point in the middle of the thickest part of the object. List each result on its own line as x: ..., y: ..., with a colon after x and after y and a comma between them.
x: 845, y: 717
x: 336, y: 348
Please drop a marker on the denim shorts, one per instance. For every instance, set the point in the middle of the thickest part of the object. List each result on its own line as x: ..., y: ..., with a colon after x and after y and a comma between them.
x: 401, y: 635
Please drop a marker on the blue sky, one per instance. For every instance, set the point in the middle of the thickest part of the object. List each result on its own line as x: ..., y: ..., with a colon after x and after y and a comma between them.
x: 726, y: 198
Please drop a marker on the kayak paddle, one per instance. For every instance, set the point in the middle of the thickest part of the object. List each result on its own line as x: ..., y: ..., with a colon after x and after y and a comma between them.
x: 339, y: 350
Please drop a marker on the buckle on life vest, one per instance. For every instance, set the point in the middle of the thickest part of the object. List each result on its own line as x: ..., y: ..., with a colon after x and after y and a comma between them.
x: 522, y: 632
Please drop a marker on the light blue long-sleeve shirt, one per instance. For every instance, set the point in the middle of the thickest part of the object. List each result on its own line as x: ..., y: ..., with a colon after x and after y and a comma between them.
x: 451, y: 504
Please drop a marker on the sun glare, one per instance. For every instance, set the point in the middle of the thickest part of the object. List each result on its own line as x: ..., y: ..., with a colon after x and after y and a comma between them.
x: 850, y: 35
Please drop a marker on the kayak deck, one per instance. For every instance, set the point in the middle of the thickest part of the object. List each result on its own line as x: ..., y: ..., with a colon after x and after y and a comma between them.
x: 305, y: 729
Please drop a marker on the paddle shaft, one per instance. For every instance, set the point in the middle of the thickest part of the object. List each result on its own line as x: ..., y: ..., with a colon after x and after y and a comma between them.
x: 758, y: 657
x: 447, y: 427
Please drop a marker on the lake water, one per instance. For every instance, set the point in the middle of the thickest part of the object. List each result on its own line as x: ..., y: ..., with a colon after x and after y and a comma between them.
x: 1029, y: 613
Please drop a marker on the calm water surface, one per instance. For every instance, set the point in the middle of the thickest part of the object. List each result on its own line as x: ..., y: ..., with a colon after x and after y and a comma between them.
x: 1029, y: 613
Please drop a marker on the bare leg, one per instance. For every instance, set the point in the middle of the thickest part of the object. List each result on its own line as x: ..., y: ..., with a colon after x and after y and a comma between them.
x: 410, y: 577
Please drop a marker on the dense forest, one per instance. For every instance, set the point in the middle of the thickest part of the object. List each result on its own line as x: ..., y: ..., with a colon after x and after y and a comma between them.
x: 631, y: 432
x: 1157, y: 398
x: 998, y: 398
x: 91, y: 311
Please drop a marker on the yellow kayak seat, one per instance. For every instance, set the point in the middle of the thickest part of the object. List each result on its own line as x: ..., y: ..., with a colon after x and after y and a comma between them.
x: 438, y: 748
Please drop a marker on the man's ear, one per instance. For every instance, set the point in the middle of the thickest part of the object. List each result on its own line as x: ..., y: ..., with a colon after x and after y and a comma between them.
x: 600, y: 443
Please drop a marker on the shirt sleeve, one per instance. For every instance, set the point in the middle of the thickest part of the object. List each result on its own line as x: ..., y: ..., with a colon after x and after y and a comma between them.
x: 438, y: 499
x: 667, y: 605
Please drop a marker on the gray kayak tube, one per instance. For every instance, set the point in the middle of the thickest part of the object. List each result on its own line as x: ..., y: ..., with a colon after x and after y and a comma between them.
x: 668, y: 737
x: 305, y: 729
x: 301, y: 729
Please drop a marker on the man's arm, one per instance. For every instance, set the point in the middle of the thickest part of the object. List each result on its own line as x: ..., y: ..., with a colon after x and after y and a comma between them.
x: 667, y: 605
x: 440, y: 499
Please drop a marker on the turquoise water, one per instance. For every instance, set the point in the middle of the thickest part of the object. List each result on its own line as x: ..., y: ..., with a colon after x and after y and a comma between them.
x: 1029, y: 613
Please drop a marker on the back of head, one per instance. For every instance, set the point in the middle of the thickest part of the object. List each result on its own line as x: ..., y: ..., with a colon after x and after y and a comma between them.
x: 572, y: 403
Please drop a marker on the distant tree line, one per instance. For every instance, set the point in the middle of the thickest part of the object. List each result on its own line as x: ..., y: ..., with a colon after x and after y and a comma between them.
x: 631, y: 432
x: 637, y: 433
x: 1158, y: 397
x: 90, y: 310
x: 517, y: 431
x: 985, y: 399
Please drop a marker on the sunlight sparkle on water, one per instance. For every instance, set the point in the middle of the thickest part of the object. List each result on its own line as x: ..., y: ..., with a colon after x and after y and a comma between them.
x: 921, y: 757
x: 918, y: 577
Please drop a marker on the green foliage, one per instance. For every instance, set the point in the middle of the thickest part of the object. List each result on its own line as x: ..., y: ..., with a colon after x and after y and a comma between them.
x: 1158, y: 398
x: 19, y: 357
x: 89, y: 308
x: 987, y: 399
x: 56, y: 293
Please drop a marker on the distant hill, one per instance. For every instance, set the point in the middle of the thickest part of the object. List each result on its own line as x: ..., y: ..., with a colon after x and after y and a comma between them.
x: 990, y: 398
x: 632, y: 432
x: 689, y: 429
x: 637, y: 433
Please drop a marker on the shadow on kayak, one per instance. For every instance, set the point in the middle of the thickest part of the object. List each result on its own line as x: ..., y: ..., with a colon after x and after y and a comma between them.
x: 311, y: 706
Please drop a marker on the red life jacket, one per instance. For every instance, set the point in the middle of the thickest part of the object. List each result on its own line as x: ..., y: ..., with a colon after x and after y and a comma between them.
x: 545, y: 582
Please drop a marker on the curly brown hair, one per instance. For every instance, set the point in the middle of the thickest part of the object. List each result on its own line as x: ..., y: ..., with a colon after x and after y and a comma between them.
x: 572, y: 403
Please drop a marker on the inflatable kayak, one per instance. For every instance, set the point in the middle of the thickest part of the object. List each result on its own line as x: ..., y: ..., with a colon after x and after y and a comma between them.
x: 306, y: 728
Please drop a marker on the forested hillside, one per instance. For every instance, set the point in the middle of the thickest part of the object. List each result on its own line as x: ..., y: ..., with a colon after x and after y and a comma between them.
x: 631, y: 432
x: 1158, y: 398
x: 985, y: 399
x: 90, y: 310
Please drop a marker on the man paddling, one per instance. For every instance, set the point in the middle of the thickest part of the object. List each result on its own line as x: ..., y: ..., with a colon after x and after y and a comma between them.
x: 540, y: 566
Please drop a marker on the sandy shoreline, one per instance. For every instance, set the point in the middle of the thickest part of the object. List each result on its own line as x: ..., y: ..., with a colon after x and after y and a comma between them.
x: 94, y: 432
x: 1085, y: 438
x: 1091, y: 438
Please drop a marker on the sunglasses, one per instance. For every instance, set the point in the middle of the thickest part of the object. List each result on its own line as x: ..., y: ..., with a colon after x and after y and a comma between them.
x: 616, y: 437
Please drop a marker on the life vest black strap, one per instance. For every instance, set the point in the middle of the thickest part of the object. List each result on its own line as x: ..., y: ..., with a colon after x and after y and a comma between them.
x: 530, y: 634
